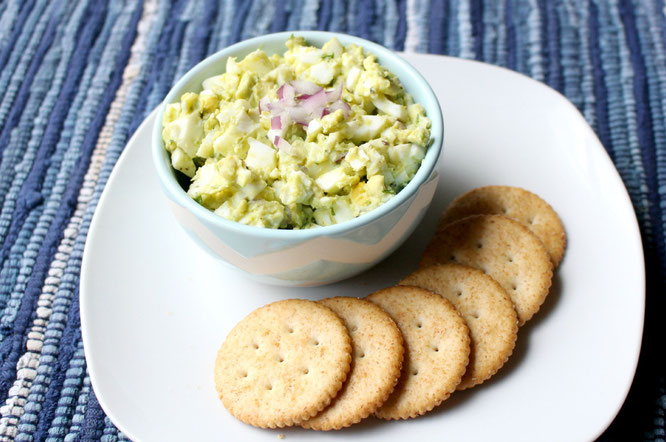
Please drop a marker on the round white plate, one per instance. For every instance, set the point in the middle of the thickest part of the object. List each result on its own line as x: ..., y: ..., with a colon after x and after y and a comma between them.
x: 155, y: 308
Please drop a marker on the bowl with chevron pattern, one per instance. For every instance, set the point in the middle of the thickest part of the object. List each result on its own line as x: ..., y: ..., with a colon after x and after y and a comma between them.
x: 319, y: 255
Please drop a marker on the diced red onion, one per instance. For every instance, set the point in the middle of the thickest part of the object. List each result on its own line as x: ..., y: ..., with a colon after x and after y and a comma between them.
x: 340, y: 105
x: 316, y: 101
x: 285, y: 119
x: 275, y: 107
x: 286, y: 93
x: 263, y: 104
x: 334, y: 94
x: 303, y: 87
x: 316, y: 113
x: 299, y: 114
x: 282, y: 144
x: 301, y: 102
x: 272, y: 134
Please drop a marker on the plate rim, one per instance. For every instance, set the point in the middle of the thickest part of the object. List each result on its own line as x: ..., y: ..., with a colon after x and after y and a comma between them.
x: 601, y: 152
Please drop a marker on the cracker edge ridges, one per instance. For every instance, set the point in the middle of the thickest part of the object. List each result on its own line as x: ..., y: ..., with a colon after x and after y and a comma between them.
x: 521, y: 226
x: 442, y: 222
x: 369, y: 408
x: 514, y: 331
x: 448, y: 395
x: 319, y: 407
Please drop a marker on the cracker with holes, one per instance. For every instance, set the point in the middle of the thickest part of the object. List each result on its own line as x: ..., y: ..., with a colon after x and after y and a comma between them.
x: 376, y: 364
x: 486, y: 308
x: 437, y: 347
x: 283, y: 363
x: 519, y: 204
x: 502, y: 248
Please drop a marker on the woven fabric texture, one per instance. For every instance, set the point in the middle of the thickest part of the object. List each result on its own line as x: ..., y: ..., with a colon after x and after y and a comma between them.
x: 77, y: 78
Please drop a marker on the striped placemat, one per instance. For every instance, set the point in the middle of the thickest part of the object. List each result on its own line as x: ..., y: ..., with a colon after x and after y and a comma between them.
x: 77, y: 78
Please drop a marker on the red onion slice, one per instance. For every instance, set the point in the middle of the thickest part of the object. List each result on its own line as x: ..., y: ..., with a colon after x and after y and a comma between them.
x: 263, y: 104
x: 288, y: 94
x: 304, y: 87
x: 315, y: 103
x: 282, y: 144
x: 346, y: 109
x: 299, y: 114
x: 275, y: 107
x: 334, y: 94
x: 285, y: 119
x: 300, y: 102
x: 316, y: 114
x: 273, y: 133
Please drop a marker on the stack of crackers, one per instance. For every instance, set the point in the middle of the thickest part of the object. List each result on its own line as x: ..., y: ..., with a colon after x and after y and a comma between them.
x: 403, y: 350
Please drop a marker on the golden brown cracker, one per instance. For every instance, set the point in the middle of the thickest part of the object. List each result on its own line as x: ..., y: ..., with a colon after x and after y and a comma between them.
x: 502, y: 248
x: 436, y: 349
x: 524, y: 206
x: 283, y: 363
x: 486, y: 308
x: 376, y: 364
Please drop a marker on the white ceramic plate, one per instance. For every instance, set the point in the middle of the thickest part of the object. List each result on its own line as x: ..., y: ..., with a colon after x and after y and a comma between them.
x: 155, y: 308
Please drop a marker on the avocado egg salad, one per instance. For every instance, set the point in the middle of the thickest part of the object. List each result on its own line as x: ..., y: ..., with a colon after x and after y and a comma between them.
x: 311, y: 138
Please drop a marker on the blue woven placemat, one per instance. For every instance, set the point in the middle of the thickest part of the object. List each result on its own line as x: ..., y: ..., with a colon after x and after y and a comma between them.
x: 77, y: 78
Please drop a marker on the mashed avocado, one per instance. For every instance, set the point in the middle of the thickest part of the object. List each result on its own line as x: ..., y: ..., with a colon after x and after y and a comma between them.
x: 312, y: 138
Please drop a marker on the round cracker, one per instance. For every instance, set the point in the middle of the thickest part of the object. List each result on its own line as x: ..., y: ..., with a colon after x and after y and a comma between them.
x: 376, y: 364
x: 436, y: 349
x: 504, y: 249
x: 519, y: 204
x: 283, y: 363
x: 486, y: 308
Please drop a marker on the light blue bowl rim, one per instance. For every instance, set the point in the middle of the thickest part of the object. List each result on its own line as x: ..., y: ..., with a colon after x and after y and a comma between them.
x: 386, y: 57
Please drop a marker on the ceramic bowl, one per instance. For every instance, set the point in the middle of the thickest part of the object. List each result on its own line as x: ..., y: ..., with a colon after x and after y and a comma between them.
x: 314, y: 256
